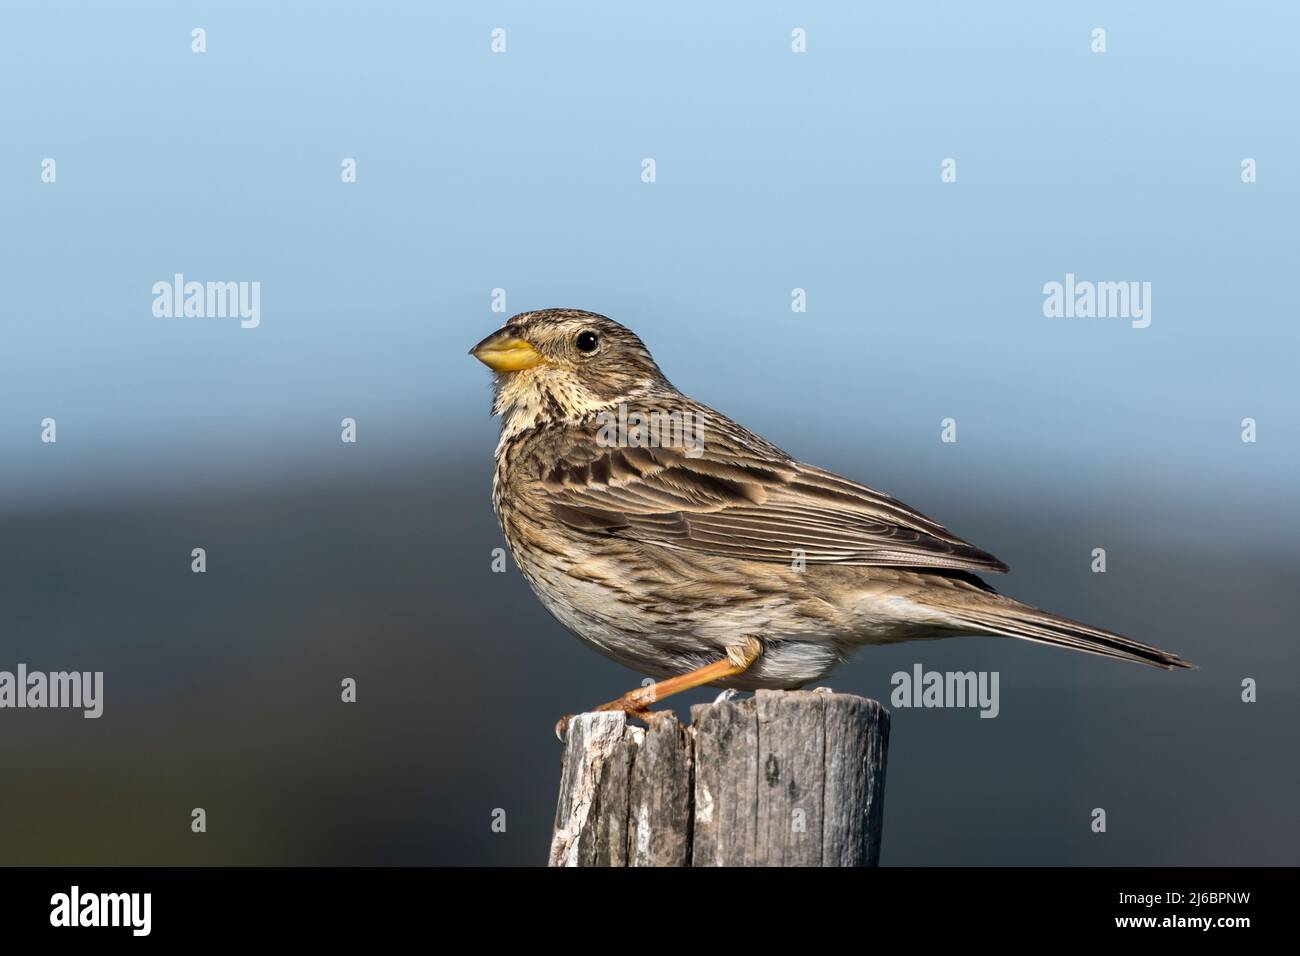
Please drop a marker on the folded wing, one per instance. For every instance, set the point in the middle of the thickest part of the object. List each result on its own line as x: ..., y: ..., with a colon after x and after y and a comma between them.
x: 736, y: 495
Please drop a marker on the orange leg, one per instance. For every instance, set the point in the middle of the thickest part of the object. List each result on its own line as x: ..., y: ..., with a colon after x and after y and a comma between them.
x: 636, y: 703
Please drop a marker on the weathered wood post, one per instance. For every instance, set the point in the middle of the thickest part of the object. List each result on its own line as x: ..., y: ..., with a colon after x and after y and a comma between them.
x: 785, y: 778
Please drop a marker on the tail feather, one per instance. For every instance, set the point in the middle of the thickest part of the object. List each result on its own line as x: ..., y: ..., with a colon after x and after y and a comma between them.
x: 1009, y: 618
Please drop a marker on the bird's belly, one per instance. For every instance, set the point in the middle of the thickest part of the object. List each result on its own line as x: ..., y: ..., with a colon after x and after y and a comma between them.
x: 664, y: 612
x: 659, y: 633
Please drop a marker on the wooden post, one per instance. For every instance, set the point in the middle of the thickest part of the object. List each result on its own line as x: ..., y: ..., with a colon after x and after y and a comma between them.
x: 785, y: 778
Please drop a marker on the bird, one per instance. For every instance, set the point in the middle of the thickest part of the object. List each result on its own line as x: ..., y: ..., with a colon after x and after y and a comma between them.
x: 681, y: 544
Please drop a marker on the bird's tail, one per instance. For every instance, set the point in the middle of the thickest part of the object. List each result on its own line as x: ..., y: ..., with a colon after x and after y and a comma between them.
x: 1001, y: 615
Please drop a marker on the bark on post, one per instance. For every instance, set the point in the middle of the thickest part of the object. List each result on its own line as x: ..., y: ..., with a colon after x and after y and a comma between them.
x: 785, y: 778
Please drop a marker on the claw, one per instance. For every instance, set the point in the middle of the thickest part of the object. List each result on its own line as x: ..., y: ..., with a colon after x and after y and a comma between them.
x: 562, y: 727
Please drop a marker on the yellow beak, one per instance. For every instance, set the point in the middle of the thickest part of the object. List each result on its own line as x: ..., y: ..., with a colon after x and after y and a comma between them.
x: 502, y: 352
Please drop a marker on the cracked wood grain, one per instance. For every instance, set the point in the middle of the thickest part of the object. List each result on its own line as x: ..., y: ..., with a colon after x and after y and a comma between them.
x: 785, y: 778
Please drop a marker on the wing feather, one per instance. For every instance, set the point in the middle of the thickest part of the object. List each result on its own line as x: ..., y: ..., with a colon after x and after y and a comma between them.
x: 736, y: 495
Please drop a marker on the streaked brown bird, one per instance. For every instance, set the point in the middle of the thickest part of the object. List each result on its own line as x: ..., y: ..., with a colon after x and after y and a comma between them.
x: 686, y: 547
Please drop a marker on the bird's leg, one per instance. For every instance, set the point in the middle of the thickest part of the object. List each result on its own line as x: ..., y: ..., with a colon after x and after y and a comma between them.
x: 740, y: 657
x: 636, y: 703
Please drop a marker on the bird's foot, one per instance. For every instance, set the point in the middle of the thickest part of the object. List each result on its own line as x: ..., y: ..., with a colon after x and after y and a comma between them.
x: 636, y: 703
x: 729, y: 694
x: 639, y: 712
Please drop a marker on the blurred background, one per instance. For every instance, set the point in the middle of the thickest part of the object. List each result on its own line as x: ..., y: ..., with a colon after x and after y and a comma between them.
x: 522, y: 171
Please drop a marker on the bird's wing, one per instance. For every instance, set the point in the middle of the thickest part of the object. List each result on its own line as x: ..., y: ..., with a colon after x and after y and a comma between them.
x: 736, y: 495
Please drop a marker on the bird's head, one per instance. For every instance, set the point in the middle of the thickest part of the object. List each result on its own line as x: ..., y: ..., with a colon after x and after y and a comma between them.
x: 558, y: 364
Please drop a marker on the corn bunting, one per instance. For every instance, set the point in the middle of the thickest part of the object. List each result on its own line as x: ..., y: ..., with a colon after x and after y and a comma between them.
x: 681, y: 544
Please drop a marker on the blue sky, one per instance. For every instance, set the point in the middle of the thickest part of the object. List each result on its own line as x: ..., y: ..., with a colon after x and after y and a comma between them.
x: 774, y: 171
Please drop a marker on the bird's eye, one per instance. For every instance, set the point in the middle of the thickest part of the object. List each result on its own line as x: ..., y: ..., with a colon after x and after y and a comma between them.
x: 587, y: 341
